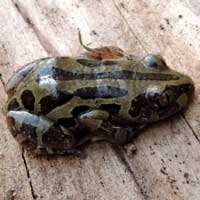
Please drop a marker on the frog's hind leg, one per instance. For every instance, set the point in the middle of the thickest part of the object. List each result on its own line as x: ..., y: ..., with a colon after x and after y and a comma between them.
x: 40, y: 134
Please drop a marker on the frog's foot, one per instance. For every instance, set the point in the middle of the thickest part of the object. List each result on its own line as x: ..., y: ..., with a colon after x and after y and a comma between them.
x: 107, y: 52
x: 40, y: 134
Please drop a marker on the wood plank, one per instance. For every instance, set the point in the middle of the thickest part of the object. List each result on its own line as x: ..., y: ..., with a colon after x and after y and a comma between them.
x: 166, y: 165
x: 170, y: 169
x: 101, y: 175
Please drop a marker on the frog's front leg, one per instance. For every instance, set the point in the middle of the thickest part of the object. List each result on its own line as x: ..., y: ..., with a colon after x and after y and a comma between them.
x: 92, y: 121
x: 40, y: 134
x: 102, y: 128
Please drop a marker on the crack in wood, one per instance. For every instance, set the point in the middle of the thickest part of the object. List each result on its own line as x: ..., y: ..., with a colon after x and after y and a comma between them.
x: 120, y: 13
x: 48, y: 47
x: 120, y: 154
x: 28, y: 176
x: 190, y: 127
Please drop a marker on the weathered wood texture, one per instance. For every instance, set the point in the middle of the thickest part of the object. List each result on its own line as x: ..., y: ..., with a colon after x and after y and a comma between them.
x: 167, y: 163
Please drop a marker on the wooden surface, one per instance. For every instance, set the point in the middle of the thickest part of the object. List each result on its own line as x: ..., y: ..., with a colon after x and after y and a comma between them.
x: 167, y: 163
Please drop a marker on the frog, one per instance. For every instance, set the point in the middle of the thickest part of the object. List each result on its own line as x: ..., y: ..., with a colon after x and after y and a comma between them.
x: 57, y: 104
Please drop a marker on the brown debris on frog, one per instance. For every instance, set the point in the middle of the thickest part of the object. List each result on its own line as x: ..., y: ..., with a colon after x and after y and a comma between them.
x: 106, y: 52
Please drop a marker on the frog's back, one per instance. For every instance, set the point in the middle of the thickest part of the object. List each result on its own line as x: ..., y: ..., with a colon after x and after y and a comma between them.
x: 66, y: 86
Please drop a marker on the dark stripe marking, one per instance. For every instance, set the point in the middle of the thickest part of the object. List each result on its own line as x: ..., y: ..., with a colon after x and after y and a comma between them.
x: 50, y: 102
x: 94, y: 63
x: 60, y: 74
x: 28, y: 100
x: 100, y: 92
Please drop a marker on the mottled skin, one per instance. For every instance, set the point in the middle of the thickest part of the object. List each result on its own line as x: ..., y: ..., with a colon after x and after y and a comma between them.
x: 57, y: 104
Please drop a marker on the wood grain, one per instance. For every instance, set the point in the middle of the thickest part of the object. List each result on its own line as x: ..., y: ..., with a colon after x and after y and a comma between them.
x: 167, y: 163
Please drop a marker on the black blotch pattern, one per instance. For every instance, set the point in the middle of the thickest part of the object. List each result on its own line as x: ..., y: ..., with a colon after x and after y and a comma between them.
x: 113, y: 109
x: 66, y: 122
x: 50, y: 102
x: 145, y: 104
x: 13, y: 105
x: 136, y: 105
x: 100, y: 92
x: 79, y: 109
x: 180, y: 89
x: 28, y: 100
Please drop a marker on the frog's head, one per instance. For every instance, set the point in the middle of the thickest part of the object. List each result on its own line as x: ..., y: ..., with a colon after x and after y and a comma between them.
x: 165, y: 91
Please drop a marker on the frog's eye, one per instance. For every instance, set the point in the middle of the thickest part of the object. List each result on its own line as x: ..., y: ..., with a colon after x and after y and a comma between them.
x: 155, y: 62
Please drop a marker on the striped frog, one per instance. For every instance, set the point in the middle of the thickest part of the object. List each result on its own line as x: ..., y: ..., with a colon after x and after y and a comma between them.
x: 56, y: 104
